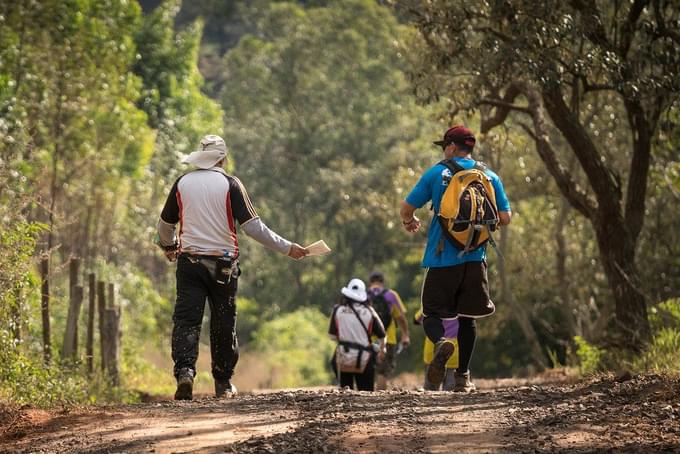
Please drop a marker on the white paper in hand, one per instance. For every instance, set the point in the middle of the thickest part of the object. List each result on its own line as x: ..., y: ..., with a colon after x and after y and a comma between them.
x: 318, y: 248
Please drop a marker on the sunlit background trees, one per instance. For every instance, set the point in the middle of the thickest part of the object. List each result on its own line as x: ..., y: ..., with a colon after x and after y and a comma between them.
x: 329, y: 110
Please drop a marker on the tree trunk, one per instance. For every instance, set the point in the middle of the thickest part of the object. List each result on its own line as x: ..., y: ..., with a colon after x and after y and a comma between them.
x: 45, y: 306
x: 101, y: 299
x: 617, y: 253
x: 16, y: 316
x: 70, y: 348
x: 89, y: 347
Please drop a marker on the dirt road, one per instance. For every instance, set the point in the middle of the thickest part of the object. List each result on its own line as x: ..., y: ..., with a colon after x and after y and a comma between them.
x: 624, y: 414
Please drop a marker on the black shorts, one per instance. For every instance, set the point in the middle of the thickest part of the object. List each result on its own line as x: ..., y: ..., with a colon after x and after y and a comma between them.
x: 459, y: 290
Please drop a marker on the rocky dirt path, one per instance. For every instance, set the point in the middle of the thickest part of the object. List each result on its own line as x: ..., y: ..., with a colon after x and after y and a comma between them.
x: 624, y: 414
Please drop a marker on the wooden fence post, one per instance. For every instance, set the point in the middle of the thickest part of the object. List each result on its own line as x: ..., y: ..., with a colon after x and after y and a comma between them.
x: 101, y: 305
x: 89, y: 347
x: 70, y: 347
x: 112, y: 344
x: 111, y: 338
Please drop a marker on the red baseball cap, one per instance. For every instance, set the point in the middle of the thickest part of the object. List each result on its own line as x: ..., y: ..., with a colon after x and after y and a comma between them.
x: 457, y: 134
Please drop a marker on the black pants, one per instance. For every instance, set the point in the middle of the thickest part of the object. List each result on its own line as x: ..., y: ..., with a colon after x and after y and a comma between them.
x: 195, y: 284
x: 364, y: 381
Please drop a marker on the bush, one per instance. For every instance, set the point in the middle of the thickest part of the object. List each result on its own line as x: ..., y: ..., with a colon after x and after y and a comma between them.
x: 663, y: 353
x: 590, y: 357
x: 25, y: 380
x: 296, y: 348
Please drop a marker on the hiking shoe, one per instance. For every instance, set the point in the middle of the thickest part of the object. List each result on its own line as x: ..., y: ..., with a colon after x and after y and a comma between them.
x: 427, y: 386
x: 442, y: 352
x: 185, y: 385
x: 463, y: 383
x: 224, y: 388
x: 449, y: 380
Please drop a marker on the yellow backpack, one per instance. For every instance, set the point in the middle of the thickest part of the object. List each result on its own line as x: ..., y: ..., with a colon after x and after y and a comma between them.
x: 468, y: 212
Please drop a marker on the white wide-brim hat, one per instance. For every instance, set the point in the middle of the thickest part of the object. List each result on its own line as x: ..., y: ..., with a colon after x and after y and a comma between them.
x: 213, y: 149
x: 356, y: 290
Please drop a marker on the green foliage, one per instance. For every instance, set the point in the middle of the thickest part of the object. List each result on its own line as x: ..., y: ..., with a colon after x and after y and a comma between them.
x: 24, y: 380
x: 663, y: 353
x: 322, y: 125
x: 98, y: 103
x: 295, y: 348
x: 171, y: 93
x: 590, y: 357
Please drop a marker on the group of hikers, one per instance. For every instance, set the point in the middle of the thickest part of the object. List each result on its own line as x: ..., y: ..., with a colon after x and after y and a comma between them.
x: 468, y: 203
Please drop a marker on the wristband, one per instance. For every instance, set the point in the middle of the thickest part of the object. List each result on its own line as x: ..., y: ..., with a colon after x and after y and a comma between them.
x: 408, y: 222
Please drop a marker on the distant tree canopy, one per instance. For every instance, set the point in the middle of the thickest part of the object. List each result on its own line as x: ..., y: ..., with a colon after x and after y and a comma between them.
x: 319, y: 119
x: 329, y: 110
x: 592, y: 77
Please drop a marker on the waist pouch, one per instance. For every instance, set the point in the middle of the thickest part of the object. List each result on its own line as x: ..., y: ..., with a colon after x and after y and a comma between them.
x: 222, y: 269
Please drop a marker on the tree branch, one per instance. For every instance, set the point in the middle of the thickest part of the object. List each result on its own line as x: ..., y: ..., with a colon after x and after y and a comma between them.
x: 503, y: 108
x: 577, y: 197
x: 639, y: 166
x: 505, y: 105
x: 662, y: 31
x: 607, y: 189
x: 593, y: 26
x: 588, y: 87
x: 628, y: 29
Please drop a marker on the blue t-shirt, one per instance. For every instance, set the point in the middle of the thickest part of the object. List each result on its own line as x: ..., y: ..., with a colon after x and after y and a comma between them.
x: 431, y: 187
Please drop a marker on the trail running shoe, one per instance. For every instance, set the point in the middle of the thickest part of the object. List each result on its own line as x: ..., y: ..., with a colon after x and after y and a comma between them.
x: 449, y: 380
x: 463, y: 383
x: 442, y: 352
x: 185, y: 385
x: 224, y: 389
x: 427, y: 386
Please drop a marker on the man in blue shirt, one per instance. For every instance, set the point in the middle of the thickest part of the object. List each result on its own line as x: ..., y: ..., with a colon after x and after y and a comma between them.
x: 456, y: 284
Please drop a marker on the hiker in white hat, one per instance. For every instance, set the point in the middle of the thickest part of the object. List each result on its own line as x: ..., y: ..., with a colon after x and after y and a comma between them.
x: 212, y: 151
x: 353, y: 323
x: 207, y: 203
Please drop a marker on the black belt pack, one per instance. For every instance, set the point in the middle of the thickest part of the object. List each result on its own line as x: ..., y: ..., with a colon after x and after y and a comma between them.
x: 221, y: 268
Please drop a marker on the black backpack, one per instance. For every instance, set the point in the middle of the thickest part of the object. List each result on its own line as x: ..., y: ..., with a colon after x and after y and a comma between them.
x: 382, y: 307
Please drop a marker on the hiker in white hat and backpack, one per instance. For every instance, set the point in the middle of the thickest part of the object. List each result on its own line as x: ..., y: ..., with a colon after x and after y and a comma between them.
x: 207, y: 203
x: 352, y: 324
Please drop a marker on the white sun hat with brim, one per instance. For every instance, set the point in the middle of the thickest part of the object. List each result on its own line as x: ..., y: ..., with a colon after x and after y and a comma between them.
x: 356, y: 290
x: 213, y: 149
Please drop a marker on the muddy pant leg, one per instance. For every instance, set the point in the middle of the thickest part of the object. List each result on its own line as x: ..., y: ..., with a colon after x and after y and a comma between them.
x: 366, y: 380
x: 467, y: 334
x: 223, y: 340
x: 188, y: 314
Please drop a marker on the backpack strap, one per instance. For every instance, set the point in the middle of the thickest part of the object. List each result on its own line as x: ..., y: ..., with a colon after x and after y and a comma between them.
x: 452, y: 165
x: 368, y: 336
